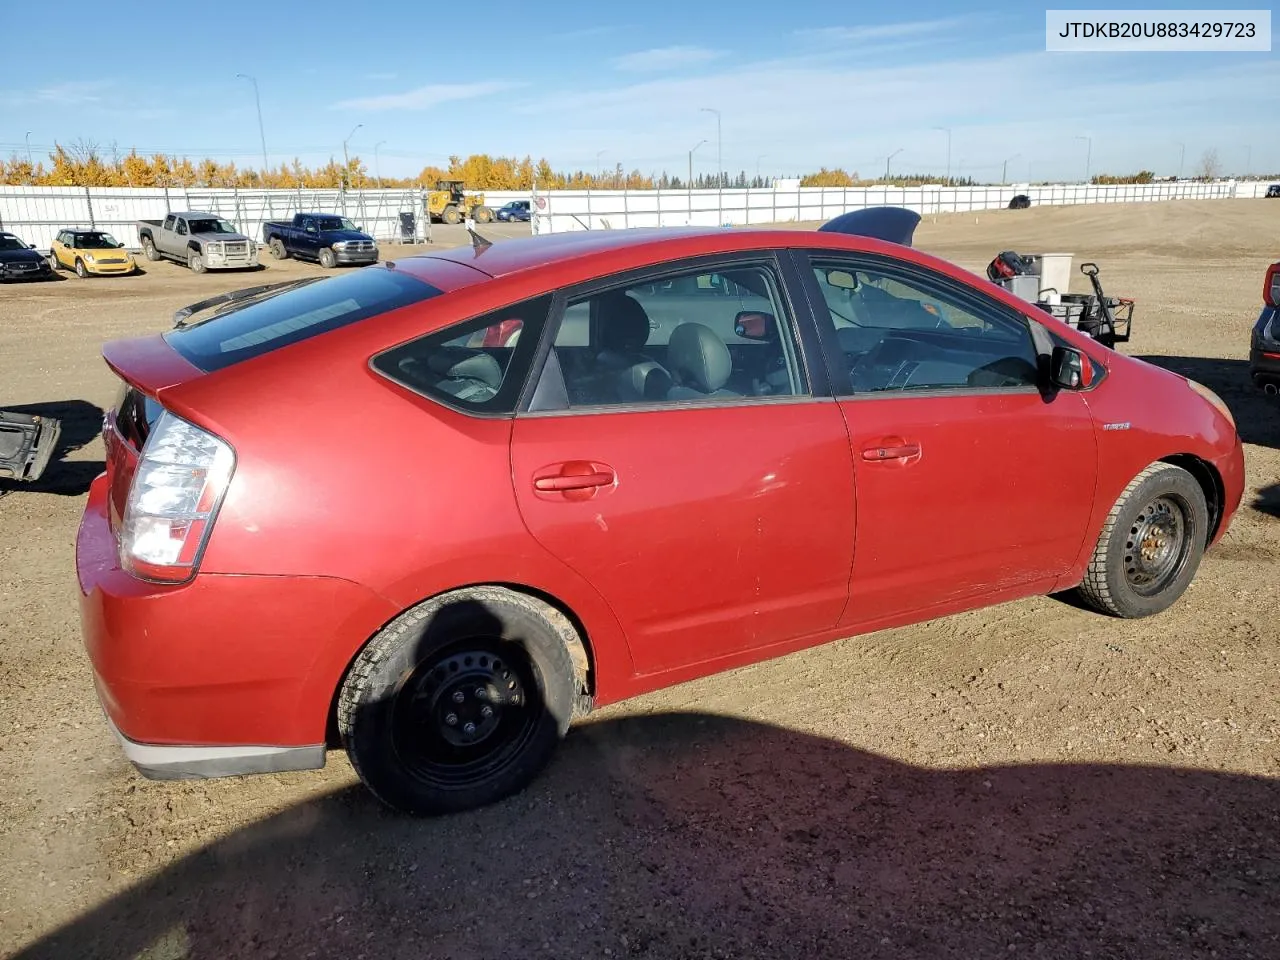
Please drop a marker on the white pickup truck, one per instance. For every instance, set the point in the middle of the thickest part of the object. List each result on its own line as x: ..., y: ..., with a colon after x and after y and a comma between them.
x: 203, y: 241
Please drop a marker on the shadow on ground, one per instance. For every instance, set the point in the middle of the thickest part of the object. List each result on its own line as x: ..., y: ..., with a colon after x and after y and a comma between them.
x: 1257, y: 415
x: 690, y: 835
x: 81, y: 425
x: 1268, y: 500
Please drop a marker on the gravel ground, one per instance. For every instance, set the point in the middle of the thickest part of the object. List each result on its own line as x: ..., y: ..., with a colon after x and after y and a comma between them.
x: 1032, y: 779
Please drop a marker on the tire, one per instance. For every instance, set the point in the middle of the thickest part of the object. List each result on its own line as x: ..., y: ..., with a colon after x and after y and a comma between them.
x: 327, y: 258
x: 54, y: 263
x: 482, y: 215
x: 451, y: 215
x: 149, y: 248
x: 196, y: 262
x: 412, y: 709
x: 278, y: 249
x: 1162, y: 507
x: 81, y: 272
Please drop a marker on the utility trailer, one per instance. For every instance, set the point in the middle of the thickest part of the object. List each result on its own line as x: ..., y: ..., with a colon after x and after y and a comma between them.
x: 1036, y: 278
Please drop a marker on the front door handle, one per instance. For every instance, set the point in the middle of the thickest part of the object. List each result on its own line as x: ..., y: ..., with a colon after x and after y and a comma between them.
x: 574, y: 475
x: 891, y: 448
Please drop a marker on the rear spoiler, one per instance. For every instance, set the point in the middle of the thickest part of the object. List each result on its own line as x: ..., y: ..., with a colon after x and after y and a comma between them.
x: 891, y: 224
x: 181, y: 317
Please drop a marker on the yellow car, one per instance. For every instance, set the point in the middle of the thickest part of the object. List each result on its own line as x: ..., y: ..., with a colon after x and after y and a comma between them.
x: 90, y: 252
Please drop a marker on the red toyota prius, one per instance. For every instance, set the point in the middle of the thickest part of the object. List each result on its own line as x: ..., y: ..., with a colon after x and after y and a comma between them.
x: 436, y: 509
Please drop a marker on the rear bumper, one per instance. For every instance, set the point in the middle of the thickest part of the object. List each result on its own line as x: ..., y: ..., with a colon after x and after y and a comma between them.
x: 223, y: 674
x: 1264, y: 350
x: 162, y: 762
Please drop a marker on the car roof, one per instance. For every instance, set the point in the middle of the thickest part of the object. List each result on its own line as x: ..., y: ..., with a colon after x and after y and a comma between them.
x: 527, y: 253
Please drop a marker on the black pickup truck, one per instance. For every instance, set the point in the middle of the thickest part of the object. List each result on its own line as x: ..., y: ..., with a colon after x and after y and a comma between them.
x: 324, y: 237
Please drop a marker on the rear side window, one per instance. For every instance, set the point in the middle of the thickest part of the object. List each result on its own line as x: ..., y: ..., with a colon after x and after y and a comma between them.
x: 478, y: 366
x: 296, y: 315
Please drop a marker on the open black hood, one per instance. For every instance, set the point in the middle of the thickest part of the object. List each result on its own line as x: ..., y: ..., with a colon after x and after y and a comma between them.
x: 891, y: 224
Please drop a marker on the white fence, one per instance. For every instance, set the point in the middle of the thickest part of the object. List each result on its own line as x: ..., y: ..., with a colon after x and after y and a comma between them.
x: 38, y: 213
x: 567, y: 210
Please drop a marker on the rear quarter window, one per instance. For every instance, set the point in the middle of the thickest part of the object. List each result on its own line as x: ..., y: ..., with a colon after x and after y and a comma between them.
x: 296, y: 315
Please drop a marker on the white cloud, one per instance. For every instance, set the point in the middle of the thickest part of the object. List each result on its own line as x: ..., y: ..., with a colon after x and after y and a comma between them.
x: 69, y: 94
x: 666, y: 58
x: 423, y: 98
x: 803, y: 112
x: 881, y: 31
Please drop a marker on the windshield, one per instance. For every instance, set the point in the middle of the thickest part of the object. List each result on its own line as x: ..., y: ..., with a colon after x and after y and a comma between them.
x: 9, y: 242
x: 95, y: 241
x: 335, y: 223
x: 210, y: 225
x: 296, y: 314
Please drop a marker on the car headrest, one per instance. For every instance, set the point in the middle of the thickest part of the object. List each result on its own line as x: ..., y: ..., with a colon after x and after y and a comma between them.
x: 698, y: 357
x: 623, y: 323
x: 452, y: 363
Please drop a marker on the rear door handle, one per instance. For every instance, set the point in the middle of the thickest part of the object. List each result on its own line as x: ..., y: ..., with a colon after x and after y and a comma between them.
x: 892, y: 449
x: 573, y: 475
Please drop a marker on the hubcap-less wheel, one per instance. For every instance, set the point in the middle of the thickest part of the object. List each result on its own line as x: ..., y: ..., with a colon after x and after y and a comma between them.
x: 1157, y: 545
x: 462, y: 716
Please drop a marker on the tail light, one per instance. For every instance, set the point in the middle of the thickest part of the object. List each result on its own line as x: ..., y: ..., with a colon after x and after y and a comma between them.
x: 177, y: 488
x: 1271, y: 286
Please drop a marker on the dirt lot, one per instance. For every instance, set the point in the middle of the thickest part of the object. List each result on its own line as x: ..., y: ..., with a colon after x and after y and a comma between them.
x: 1032, y: 779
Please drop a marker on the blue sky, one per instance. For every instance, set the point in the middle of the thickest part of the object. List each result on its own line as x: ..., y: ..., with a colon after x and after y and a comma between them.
x: 806, y: 84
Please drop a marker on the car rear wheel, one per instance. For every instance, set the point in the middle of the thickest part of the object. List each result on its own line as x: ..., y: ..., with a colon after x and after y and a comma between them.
x: 278, y: 249
x: 461, y: 700
x: 196, y: 262
x: 149, y: 248
x: 81, y: 272
x: 327, y: 258
x: 1151, y: 544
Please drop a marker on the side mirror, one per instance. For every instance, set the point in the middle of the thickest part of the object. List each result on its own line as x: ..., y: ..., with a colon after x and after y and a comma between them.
x: 754, y: 325
x: 1070, y: 369
x: 311, y: 228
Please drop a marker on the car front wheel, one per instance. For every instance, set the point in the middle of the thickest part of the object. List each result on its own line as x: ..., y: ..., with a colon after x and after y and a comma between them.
x: 327, y: 258
x: 1151, y: 544
x: 461, y: 700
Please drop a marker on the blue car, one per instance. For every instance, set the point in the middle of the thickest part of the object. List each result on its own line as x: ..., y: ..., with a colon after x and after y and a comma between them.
x: 516, y: 210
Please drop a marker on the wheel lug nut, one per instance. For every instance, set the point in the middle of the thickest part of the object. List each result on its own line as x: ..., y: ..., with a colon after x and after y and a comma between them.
x: 480, y: 693
x: 451, y: 719
x: 458, y: 696
x: 486, y: 711
x: 468, y: 728
x: 515, y: 699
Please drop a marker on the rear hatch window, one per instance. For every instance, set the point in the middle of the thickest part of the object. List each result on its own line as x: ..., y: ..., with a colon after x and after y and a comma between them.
x: 295, y: 314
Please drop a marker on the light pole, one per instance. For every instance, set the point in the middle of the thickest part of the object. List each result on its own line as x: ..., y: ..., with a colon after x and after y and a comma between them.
x: 346, y: 161
x: 694, y: 147
x: 947, y: 131
x: 1004, y: 170
x: 261, y: 135
x: 1088, y: 155
x: 1182, y: 155
x: 719, y: 142
x: 887, y: 160
x: 758, y: 159
x: 377, y: 168
x: 31, y: 163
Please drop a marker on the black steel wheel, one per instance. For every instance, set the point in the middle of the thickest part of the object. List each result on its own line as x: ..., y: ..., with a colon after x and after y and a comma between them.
x: 1151, y: 544
x: 1157, y: 546
x: 461, y: 700
x: 463, y: 715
